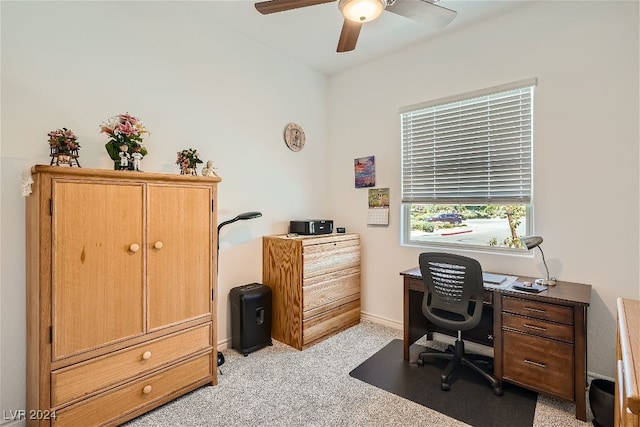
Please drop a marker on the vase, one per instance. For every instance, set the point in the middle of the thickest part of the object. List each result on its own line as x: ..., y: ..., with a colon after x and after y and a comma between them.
x: 113, y: 152
x: 188, y: 171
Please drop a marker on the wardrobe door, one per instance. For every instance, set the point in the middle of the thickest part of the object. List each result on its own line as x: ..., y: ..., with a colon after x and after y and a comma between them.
x: 180, y: 254
x: 97, y: 264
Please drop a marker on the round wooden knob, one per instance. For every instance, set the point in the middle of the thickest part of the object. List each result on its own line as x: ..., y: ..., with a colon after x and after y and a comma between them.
x: 146, y: 389
x: 134, y: 247
x: 146, y: 355
x: 158, y: 245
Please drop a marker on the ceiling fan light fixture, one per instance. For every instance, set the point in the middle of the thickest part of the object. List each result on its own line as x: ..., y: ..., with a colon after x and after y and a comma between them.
x: 361, y: 10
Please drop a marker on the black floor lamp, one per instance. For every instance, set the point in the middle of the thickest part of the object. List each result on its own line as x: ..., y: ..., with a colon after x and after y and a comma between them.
x: 241, y: 217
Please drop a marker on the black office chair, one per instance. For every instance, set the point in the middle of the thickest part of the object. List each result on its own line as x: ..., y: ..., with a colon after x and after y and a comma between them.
x: 453, y: 297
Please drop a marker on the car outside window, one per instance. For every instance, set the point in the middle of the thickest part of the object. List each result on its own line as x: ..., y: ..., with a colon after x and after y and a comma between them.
x: 478, y: 226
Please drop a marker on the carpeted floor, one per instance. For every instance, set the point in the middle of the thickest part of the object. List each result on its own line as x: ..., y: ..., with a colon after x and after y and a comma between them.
x: 281, y: 386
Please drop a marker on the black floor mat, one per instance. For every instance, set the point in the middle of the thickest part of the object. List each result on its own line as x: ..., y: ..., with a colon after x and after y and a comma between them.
x: 470, y: 400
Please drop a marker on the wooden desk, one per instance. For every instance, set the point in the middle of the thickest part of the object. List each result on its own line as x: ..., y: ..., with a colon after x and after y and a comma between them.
x: 539, y: 340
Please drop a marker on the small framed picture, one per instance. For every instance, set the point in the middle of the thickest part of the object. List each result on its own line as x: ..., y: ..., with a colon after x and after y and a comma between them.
x: 365, y: 171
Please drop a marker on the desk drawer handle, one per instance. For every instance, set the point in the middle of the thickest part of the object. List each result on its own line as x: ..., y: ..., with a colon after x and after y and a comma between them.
x: 537, y: 328
x: 531, y: 362
x: 536, y: 310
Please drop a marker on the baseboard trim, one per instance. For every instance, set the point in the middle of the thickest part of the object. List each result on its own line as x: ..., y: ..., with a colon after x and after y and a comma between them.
x: 13, y: 423
x: 593, y: 376
x: 381, y: 320
x: 224, y: 344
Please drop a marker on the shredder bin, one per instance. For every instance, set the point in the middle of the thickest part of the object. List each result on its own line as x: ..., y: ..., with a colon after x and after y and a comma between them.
x: 250, y: 317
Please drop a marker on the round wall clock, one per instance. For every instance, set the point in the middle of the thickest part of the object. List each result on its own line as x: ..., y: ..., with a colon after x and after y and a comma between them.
x: 294, y: 137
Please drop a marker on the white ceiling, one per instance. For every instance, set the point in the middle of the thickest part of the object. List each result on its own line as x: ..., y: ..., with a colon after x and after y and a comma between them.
x: 310, y: 35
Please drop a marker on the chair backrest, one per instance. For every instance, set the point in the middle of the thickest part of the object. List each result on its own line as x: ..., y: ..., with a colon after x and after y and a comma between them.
x: 454, y: 290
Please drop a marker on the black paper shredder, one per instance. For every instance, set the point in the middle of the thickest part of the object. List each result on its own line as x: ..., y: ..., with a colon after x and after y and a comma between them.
x: 250, y: 317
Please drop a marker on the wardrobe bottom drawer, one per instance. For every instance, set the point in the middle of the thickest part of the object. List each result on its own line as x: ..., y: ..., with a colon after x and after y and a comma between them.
x: 88, y: 377
x: 538, y: 363
x: 112, y: 405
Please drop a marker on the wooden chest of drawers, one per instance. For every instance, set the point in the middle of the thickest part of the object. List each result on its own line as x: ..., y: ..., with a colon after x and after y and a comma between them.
x: 315, y: 282
x: 627, y: 394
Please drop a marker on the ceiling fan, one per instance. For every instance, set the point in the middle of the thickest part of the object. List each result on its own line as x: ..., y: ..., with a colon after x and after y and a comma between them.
x: 357, y: 12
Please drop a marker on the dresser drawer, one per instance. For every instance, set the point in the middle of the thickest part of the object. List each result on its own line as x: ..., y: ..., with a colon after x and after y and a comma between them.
x: 88, y: 377
x: 330, y: 322
x: 538, y: 327
x: 538, y: 309
x: 538, y: 363
x: 333, y: 288
x: 327, y: 257
x: 107, y: 407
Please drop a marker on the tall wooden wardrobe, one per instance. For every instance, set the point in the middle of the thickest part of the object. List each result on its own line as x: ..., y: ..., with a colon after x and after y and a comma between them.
x: 121, y: 292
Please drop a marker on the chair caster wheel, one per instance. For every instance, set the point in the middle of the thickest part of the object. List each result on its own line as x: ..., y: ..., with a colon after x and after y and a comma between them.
x: 420, y: 362
x: 497, y: 391
x: 445, y: 386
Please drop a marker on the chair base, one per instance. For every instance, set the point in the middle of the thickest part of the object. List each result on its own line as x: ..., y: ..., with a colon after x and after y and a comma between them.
x: 457, y: 356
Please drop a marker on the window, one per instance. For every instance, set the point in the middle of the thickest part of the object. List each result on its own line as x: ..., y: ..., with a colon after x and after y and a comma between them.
x: 466, y: 169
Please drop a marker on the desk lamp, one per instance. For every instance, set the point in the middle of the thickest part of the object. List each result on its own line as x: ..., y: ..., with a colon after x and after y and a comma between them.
x: 242, y: 216
x: 534, y: 242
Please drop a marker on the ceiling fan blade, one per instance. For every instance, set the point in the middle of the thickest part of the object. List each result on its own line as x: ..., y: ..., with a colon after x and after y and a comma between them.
x: 349, y: 36
x: 423, y: 11
x: 273, y: 6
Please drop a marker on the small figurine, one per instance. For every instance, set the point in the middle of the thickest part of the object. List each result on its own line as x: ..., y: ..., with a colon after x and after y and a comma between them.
x: 137, y: 156
x: 209, y: 169
x: 124, y: 157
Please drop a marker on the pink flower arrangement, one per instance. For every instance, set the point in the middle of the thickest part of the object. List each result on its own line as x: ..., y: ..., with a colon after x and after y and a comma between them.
x: 123, y: 129
x: 187, y: 160
x: 63, y: 139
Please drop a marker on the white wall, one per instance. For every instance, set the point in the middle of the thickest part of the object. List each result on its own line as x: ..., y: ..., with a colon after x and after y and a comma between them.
x: 74, y: 64
x: 585, y: 56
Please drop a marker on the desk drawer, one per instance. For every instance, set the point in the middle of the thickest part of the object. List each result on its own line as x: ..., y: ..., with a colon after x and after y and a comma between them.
x: 538, y: 309
x: 538, y: 327
x: 88, y: 377
x: 538, y: 364
x: 112, y: 405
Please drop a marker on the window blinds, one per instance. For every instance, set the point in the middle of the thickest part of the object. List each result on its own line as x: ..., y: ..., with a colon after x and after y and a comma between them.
x: 472, y: 150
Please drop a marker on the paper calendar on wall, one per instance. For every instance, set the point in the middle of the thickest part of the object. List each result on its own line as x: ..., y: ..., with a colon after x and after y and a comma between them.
x: 378, y: 216
x: 378, y: 206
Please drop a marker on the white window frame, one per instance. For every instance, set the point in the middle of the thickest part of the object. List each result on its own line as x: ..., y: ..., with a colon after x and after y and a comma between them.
x: 470, y: 149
